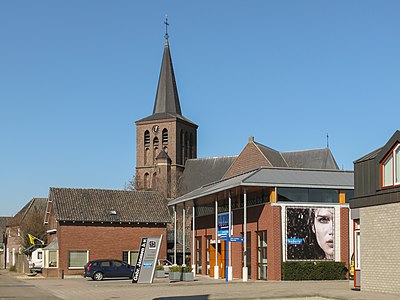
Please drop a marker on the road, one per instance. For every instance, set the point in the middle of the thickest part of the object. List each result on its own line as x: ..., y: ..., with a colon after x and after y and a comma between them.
x: 204, y: 288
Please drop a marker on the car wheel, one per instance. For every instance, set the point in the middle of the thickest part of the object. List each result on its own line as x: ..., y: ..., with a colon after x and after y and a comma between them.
x: 98, y: 276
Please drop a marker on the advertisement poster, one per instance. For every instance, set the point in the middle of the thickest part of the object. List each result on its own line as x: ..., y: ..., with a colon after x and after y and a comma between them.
x: 223, y: 224
x: 310, y: 233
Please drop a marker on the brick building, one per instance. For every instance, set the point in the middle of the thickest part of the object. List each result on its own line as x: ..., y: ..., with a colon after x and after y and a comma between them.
x: 88, y: 224
x: 166, y: 139
x: 375, y: 211
x: 269, y: 198
x: 166, y: 161
x: 3, y: 250
x: 30, y: 216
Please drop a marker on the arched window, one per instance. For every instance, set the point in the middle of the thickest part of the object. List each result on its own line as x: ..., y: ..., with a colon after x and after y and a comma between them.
x: 186, y: 147
x: 146, y: 138
x: 155, y: 142
x: 182, y: 148
x: 155, y: 153
x: 191, y: 146
x: 165, y: 136
x: 154, y: 181
x: 146, y: 181
x: 146, y: 156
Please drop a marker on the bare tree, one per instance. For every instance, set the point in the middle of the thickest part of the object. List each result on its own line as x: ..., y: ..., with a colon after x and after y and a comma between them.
x: 33, y: 224
x: 131, y: 184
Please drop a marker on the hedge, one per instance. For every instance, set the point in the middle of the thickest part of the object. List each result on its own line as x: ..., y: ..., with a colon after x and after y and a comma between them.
x: 310, y: 270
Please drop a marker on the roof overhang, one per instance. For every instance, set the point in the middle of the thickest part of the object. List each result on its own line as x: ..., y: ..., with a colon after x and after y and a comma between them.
x: 276, y: 177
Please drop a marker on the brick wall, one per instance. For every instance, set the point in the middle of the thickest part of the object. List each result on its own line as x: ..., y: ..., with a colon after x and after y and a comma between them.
x: 173, y: 149
x: 380, y: 244
x: 259, y: 218
x: 249, y: 159
x: 344, y: 236
x: 103, y: 242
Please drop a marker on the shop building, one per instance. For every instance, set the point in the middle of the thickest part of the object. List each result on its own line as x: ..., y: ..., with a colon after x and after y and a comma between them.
x: 270, y: 207
x: 375, y: 211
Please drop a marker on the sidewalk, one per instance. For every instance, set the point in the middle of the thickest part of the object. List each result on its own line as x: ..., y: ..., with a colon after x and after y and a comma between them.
x: 203, y: 288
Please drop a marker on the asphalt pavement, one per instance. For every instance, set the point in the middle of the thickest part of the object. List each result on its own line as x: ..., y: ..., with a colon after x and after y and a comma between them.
x: 19, y: 286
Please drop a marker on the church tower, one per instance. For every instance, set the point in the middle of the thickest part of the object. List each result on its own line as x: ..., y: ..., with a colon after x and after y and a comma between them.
x: 165, y: 139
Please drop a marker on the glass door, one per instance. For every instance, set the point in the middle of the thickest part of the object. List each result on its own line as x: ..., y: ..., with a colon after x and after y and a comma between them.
x: 198, y: 255
x: 262, y: 255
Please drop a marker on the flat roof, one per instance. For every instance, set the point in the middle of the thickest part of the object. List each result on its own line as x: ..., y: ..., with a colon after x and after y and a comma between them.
x: 276, y: 177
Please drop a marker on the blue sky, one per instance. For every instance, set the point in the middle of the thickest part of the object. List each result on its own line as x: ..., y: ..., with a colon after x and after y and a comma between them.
x: 76, y: 75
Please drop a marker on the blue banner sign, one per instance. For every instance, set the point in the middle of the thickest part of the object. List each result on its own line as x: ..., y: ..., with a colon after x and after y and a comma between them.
x: 294, y: 241
x: 223, y: 224
x: 232, y: 238
x: 236, y: 239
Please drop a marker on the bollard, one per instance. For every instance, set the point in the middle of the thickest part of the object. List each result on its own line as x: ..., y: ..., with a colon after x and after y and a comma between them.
x: 62, y: 274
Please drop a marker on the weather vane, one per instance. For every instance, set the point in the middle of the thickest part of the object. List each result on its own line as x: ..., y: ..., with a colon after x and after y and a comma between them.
x: 166, y: 27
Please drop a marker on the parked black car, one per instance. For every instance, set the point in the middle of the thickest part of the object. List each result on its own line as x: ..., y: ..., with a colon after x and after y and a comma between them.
x: 101, y: 268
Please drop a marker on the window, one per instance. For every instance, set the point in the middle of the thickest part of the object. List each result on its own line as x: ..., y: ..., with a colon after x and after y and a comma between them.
x: 77, y: 258
x: 146, y: 156
x: 52, y: 255
x: 106, y: 263
x: 146, y: 138
x: 357, y: 264
x: 130, y: 257
x: 397, y: 165
x: 390, y: 168
x: 262, y: 255
x: 208, y: 246
x: 40, y: 255
x: 388, y: 171
x: 146, y: 181
x: 182, y: 148
x: 198, y: 255
x: 165, y: 137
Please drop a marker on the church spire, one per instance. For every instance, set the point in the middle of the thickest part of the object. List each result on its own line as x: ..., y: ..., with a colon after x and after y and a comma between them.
x: 167, y: 100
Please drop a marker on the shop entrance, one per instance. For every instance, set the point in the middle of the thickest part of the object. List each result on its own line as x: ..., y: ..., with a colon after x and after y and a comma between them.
x: 221, y: 259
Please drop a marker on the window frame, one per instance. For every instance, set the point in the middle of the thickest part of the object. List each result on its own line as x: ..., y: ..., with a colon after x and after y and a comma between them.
x: 47, y: 259
x: 69, y: 259
x: 391, y: 154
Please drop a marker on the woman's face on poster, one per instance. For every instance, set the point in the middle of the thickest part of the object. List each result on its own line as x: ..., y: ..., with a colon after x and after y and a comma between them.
x: 323, y: 229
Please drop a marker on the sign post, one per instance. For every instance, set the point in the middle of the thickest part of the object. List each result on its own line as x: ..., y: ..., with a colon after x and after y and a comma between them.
x: 147, y: 259
x: 228, y: 239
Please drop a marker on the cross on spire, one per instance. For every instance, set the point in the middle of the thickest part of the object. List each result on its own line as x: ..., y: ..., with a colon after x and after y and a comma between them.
x: 166, y: 27
x: 327, y: 140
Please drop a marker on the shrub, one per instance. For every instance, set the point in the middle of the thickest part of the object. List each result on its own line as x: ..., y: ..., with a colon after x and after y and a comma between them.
x: 13, y: 269
x: 317, y: 270
x: 187, y: 269
x: 175, y: 269
x: 159, y: 267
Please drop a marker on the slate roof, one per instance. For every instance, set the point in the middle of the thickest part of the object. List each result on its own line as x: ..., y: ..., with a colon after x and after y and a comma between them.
x: 369, y: 156
x: 166, y: 105
x: 273, y: 156
x: 36, y: 205
x: 276, y: 177
x: 201, y: 171
x: 3, y: 223
x: 98, y: 205
x: 382, y: 151
x: 311, y: 159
